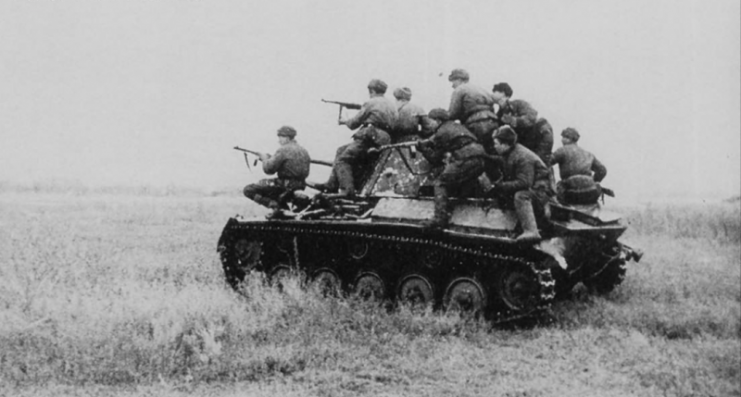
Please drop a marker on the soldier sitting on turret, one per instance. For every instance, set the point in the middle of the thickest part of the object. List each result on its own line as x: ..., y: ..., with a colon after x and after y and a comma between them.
x: 462, y: 168
x: 376, y: 118
x: 291, y: 162
x: 413, y: 121
x: 525, y: 181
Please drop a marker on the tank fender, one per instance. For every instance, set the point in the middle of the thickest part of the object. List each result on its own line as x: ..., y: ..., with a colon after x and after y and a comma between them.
x: 555, y: 248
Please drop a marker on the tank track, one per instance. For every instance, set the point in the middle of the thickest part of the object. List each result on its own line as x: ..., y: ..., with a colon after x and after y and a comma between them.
x: 475, y: 265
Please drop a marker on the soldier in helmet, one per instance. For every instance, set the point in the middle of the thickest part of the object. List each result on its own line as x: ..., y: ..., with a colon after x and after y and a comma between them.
x: 374, y: 121
x: 526, y: 181
x: 464, y: 163
x: 473, y: 107
x: 291, y: 162
x: 413, y: 121
x: 534, y: 133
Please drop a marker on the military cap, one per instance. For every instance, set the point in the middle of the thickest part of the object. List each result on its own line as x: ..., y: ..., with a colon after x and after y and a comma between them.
x: 403, y: 93
x: 378, y: 86
x: 505, y: 134
x: 458, y: 74
x: 570, y: 133
x: 288, y: 131
x: 439, y: 114
x: 503, y: 87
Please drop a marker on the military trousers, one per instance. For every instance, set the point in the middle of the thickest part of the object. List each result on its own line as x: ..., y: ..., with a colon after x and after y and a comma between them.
x: 271, y: 192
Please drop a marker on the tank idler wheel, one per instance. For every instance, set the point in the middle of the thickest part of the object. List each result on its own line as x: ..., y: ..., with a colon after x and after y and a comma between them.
x: 519, y: 289
x: 247, y: 253
x: 326, y: 282
x: 369, y: 285
x: 416, y: 290
x: 465, y: 295
x: 358, y: 249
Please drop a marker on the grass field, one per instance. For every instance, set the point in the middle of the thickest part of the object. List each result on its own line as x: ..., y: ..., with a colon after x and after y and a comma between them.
x: 121, y: 293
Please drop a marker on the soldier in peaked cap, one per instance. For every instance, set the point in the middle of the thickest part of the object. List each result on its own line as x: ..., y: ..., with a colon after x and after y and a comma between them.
x: 465, y: 162
x: 473, y: 107
x: 374, y: 122
x: 526, y: 181
x: 413, y: 121
x: 291, y: 162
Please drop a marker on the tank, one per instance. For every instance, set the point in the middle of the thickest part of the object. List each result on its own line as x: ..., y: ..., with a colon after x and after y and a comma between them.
x: 373, y: 245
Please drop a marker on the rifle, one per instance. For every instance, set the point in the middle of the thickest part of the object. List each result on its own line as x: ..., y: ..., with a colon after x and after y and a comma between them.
x: 246, y: 159
x: 412, y: 145
x: 348, y: 105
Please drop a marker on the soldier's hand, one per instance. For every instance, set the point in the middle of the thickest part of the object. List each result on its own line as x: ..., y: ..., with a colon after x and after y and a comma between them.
x: 263, y: 156
x: 508, y: 119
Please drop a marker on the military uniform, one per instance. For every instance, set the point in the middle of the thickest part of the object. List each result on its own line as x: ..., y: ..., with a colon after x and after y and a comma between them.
x: 375, y: 118
x: 473, y: 106
x: 526, y: 181
x: 460, y: 175
x: 573, y: 160
x: 411, y: 123
x: 291, y: 162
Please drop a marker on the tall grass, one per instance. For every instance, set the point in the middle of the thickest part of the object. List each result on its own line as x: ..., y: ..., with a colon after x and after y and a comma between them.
x: 106, y: 291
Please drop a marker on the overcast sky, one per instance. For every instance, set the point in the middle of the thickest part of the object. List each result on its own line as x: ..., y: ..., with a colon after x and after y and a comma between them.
x: 158, y: 92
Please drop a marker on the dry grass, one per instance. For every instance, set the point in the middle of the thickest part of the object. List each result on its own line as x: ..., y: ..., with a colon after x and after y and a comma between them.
x: 105, y: 294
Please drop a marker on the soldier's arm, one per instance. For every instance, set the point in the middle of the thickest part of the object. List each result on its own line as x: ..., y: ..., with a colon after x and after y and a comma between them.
x: 557, y: 156
x: 523, y: 115
x: 359, y: 118
x: 273, y: 164
x: 599, y: 169
x: 524, y: 177
x: 456, y: 105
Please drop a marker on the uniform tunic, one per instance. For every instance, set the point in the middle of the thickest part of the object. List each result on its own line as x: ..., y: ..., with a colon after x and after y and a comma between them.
x: 291, y: 162
x: 522, y: 170
x: 378, y: 112
x: 473, y: 107
x: 467, y: 155
x: 573, y: 160
x: 411, y: 117
x: 526, y: 179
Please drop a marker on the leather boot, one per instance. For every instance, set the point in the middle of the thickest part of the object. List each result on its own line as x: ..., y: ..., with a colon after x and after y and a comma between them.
x: 345, y: 179
x: 330, y: 186
x: 442, y: 214
x: 526, y: 216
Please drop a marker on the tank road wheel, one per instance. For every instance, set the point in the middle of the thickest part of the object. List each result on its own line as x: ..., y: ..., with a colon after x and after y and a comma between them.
x: 465, y: 295
x: 358, y: 249
x: 610, y: 277
x: 522, y: 288
x: 279, y: 275
x: 416, y: 291
x: 247, y: 253
x: 369, y: 285
x: 326, y: 282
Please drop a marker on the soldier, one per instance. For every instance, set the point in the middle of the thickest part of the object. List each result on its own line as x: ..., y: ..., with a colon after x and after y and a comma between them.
x: 462, y: 168
x: 525, y: 181
x: 413, y: 121
x: 534, y: 133
x: 573, y: 160
x: 291, y: 162
x: 376, y: 118
x: 473, y: 106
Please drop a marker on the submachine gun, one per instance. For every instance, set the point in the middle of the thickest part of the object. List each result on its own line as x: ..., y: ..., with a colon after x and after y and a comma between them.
x: 247, y: 160
x: 348, y: 105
